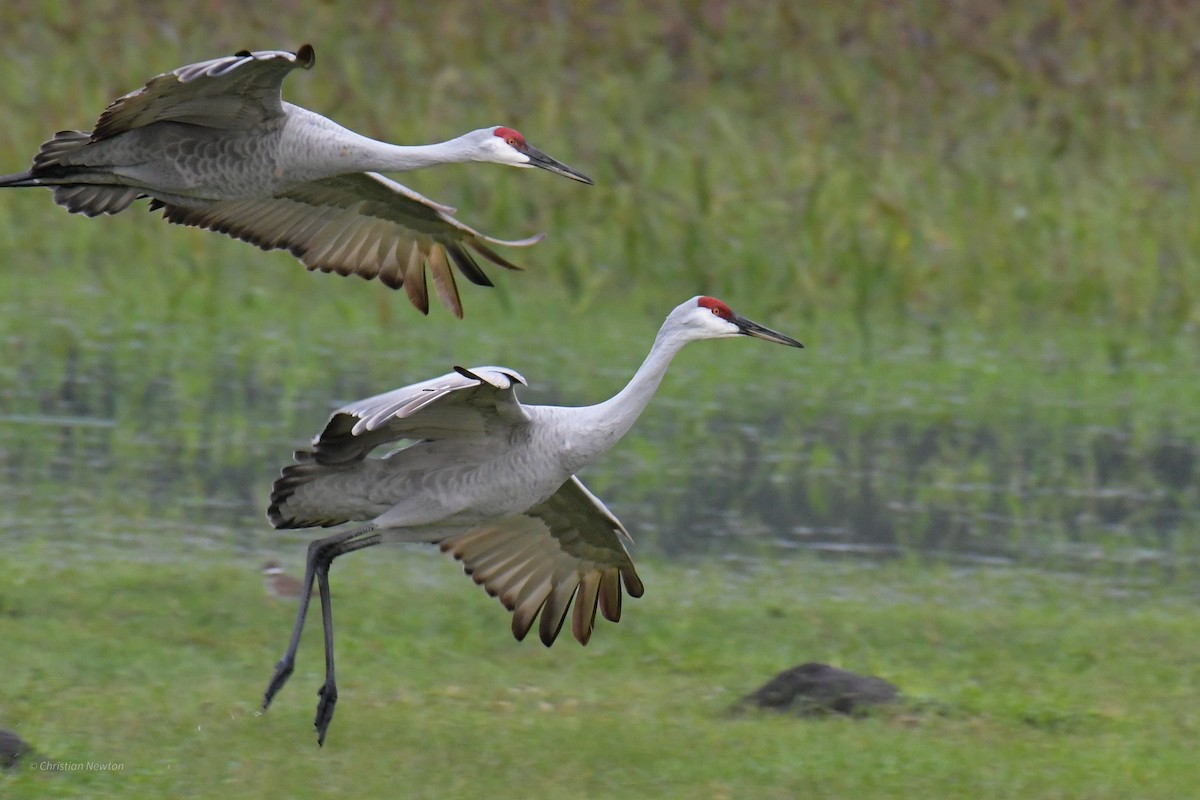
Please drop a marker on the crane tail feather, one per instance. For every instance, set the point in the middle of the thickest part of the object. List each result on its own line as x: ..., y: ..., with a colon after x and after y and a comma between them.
x: 19, y: 180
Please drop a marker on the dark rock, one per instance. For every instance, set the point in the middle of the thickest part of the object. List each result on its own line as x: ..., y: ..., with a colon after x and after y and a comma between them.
x: 813, y: 689
x: 12, y: 749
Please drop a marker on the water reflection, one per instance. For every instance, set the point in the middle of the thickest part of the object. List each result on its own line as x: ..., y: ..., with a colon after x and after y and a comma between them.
x: 90, y: 460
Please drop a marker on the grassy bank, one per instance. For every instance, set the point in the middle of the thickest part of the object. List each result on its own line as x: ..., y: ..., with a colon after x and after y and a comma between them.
x: 1033, y: 685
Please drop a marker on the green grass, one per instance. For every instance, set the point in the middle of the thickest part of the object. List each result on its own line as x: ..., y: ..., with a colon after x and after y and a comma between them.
x: 1029, y: 685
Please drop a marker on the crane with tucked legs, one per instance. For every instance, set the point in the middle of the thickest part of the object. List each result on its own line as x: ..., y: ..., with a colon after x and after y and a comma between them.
x: 214, y: 145
x: 490, y: 481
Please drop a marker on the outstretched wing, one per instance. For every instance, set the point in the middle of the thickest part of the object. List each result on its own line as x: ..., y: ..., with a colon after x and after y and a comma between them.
x: 569, y: 546
x: 238, y: 92
x: 359, y: 224
x: 475, y: 403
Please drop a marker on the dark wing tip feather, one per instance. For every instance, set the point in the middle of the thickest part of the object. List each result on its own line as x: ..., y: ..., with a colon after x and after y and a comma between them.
x: 466, y: 373
x: 610, y: 594
x: 415, y: 287
x: 633, y: 584
x: 467, y: 266
x: 494, y: 257
x: 548, y: 629
x: 554, y: 611
x: 583, y: 620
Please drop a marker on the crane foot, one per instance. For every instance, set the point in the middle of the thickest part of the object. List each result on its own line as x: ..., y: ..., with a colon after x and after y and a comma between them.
x: 329, y: 695
x: 283, y: 671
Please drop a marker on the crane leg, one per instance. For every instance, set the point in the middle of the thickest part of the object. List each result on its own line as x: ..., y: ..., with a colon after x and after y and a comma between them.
x: 283, y: 670
x: 328, y: 693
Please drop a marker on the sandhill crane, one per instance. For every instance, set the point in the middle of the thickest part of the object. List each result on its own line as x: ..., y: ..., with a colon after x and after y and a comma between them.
x: 489, y: 480
x: 214, y: 146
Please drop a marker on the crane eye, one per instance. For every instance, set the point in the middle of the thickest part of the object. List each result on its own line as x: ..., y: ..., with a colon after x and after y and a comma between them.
x: 512, y: 142
x: 716, y: 307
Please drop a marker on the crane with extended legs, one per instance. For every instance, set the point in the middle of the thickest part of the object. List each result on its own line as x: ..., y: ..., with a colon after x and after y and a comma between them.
x: 490, y: 481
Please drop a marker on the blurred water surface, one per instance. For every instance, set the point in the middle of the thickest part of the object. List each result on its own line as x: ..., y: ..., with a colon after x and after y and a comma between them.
x: 93, y: 455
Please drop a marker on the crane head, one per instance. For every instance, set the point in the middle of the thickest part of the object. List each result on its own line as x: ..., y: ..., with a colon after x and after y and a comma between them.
x: 508, y: 146
x: 709, y: 318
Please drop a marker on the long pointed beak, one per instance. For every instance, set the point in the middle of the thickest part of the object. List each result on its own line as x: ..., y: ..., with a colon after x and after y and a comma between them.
x: 751, y: 328
x: 539, y: 159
